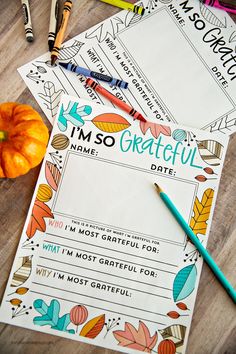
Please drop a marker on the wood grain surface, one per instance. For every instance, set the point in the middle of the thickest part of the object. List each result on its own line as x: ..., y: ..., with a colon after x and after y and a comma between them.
x: 213, y: 329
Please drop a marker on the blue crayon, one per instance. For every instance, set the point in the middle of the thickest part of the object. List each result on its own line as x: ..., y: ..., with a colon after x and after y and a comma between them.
x: 95, y: 75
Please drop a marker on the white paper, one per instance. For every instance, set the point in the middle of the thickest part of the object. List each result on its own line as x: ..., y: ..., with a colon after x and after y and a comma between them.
x: 101, y: 259
x: 179, y: 60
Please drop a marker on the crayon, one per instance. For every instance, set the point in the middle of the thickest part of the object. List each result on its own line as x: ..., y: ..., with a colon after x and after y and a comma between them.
x: 227, y: 5
x: 197, y: 243
x: 95, y: 75
x: 53, y: 24
x: 117, y: 102
x: 61, y: 32
x: 126, y: 6
x: 27, y: 20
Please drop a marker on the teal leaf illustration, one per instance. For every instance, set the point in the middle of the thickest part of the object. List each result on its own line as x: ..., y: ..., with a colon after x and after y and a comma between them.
x: 72, y: 114
x: 62, y: 324
x: 50, y: 316
x: 184, y: 282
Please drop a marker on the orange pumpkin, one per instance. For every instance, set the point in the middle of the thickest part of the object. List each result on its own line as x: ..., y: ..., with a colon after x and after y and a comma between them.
x: 23, y: 139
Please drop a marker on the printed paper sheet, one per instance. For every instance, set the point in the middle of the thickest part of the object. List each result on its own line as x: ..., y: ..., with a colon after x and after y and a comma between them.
x: 179, y: 60
x: 101, y: 259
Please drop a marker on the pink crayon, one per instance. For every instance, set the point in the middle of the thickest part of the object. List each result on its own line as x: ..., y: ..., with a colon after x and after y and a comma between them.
x: 227, y: 5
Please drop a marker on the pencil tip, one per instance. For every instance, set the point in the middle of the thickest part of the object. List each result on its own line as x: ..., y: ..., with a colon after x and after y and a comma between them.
x: 158, y: 188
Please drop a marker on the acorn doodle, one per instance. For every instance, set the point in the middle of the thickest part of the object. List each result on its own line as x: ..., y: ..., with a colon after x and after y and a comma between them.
x: 60, y: 142
x: 44, y: 193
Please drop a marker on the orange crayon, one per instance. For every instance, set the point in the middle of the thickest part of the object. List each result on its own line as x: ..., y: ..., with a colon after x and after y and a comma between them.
x: 61, y: 32
x: 117, y: 102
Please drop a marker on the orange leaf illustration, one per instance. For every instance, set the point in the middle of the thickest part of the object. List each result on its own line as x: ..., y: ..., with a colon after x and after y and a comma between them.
x: 173, y: 314
x: 200, y: 178
x: 182, y: 306
x: 93, y: 327
x: 136, y: 339
x: 110, y: 122
x: 15, y: 302
x: 155, y: 129
x: 52, y: 174
x: 39, y: 212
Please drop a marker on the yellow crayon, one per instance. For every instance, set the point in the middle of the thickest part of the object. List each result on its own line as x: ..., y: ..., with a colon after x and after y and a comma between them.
x: 126, y: 5
x: 61, y: 32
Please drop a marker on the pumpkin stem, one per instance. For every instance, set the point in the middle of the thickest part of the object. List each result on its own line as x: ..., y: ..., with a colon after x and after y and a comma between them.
x: 3, y: 135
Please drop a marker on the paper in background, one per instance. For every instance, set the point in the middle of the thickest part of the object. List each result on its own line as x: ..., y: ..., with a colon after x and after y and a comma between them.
x: 179, y: 61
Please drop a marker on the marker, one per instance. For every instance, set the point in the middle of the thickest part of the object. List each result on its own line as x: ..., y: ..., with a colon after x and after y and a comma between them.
x: 197, y: 243
x: 27, y: 20
x: 61, y: 32
x: 126, y: 6
x: 227, y: 5
x: 117, y: 102
x: 53, y: 24
x: 95, y: 75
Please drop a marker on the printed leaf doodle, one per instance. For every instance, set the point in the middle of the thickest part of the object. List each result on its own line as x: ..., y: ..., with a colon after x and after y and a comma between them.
x: 232, y: 37
x: 182, y: 306
x: 39, y: 212
x: 132, y: 18
x: 210, y: 151
x: 210, y: 17
x: 20, y: 291
x: 70, y: 52
x: 15, y: 302
x: 184, y: 282
x: 155, y: 129
x: 110, y: 122
x: 198, y: 222
x: 173, y: 314
x: 176, y: 333
x: 40, y: 69
x: 93, y: 327
x: 51, y: 97
x: 52, y: 175
x: 223, y: 124
x: 50, y: 316
x: 73, y: 114
x: 136, y: 339
x: 109, y: 27
x: 23, y: 270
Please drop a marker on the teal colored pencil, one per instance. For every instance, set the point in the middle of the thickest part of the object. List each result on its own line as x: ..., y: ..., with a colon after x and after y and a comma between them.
x: 202, y: 250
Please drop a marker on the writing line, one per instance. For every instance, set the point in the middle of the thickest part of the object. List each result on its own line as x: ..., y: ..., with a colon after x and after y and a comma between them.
x: 97, y: 271
x: 111, y: 249
x: 102, y: 281
x: 105, y: 256
x: 96, y: 298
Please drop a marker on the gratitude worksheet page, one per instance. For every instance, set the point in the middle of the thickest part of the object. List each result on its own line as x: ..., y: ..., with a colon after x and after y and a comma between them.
x: 101, y: 259
x: 178, y: 58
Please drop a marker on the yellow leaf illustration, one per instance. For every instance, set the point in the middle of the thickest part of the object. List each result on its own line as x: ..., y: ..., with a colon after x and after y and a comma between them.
x: 15, y: 302
x: 93, y: 327
x: 201, y: 211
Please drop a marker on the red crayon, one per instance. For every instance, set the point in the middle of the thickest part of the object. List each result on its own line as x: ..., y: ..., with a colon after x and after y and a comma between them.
x: 117, y: 102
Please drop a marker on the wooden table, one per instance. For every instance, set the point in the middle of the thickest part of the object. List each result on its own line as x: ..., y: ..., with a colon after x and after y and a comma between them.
x: 213, y: 329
